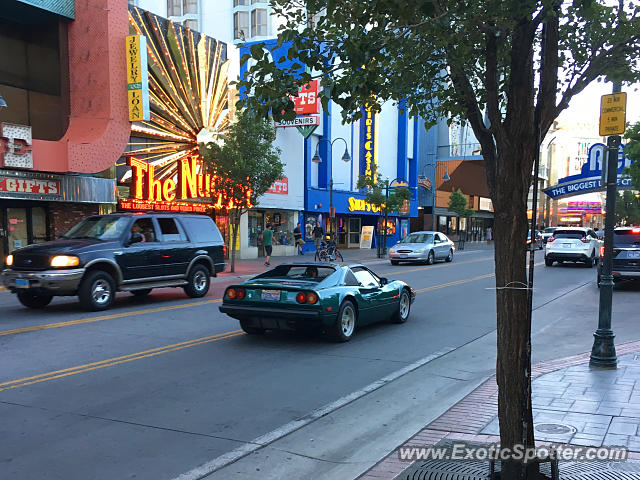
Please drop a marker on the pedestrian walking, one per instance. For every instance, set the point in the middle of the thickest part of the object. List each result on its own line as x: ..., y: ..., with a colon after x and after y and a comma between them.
x: 297, y: 237
x: 317, y: 235
x: 489, y: 235
x: 267, y: 241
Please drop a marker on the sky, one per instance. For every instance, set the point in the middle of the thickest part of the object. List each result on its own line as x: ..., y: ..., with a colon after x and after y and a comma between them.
x: 587, y: 103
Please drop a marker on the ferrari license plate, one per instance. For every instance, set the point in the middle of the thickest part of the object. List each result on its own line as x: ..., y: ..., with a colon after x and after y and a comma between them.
x: 22, y: 283
x: 271, y: 295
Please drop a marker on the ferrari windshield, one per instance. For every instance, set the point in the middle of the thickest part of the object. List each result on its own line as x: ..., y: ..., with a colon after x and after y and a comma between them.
x: 101, y: 227
x: 313, y: 273
x: 418, y: 238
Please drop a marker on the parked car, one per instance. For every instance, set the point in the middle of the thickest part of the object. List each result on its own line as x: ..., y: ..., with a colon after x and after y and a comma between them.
x: 538, y: 244
x: 547, y: 233
x: 120, y: 252
x: 572, y: 244
x: 331, y: 297
x: 626, y: 254
x: 422, y: 247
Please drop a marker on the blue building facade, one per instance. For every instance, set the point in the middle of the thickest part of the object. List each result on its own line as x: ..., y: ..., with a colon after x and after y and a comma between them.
x: 387, y: 142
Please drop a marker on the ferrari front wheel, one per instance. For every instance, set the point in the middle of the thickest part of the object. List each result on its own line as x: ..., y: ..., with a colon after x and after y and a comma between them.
x: 404, y: 307
x: 345, y: 325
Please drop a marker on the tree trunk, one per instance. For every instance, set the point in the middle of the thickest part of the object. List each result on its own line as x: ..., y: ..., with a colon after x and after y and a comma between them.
x: 513, y: 368
x: 234, y: 221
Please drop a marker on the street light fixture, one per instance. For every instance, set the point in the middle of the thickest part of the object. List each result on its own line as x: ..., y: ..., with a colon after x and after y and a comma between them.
x: 345, y: 158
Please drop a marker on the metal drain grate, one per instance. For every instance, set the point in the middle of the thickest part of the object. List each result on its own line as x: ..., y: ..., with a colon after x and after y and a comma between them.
x: 472, y: 470
x: 553, y: 428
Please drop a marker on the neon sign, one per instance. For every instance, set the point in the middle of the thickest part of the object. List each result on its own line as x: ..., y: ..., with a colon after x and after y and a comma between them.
x: 358, y: 205
x: 190, y: 185
x: 368, y: 143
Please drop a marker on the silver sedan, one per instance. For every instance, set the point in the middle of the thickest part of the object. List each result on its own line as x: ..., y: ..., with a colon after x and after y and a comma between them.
x: 422, y: 247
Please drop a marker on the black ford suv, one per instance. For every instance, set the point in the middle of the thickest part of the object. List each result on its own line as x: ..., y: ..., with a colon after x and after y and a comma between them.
x: 127, y: 252
x: 626, y: 254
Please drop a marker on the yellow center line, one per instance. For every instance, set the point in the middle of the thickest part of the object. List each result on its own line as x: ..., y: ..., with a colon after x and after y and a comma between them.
x: 45, y: 377
x: 106, y: 317
x: 431, y: 267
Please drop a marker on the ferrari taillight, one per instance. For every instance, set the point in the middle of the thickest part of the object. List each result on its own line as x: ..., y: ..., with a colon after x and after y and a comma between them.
x: 312, y: 298
x: 301, y: 297
x: 231, y: 293
x: 241, y: 293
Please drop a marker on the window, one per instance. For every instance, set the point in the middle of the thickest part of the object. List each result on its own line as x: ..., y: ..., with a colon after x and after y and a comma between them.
x: 169, y: 230
x: 570, y: 234
x: 259, y: 22
x: 106, y: 227
x: 174, y: 8
x: 417, y: 238
x: 626, y: 238
x: 201, y: 229
x: 240, y: 2
x: 350, y: 279
x: 192, y: 23
x: 145, y: 227
x: 307, y: 273
x: 241, y: 25
x: 365, y: 277
x: 190, y: 6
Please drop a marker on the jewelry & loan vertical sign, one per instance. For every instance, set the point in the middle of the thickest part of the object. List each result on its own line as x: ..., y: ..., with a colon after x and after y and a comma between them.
x: 137, y: 78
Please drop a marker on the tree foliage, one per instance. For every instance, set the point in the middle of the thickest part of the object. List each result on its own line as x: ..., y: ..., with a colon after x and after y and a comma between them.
x: 458, y: 203
x: 627, y: 208
x: 380, y: 194
x: 243, y: 168
x: 508, y: 68
x: 632, y: 151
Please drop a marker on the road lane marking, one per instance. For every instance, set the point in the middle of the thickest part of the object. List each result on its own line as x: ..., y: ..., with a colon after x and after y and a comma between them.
x: 81, y: 321
x: 45, y: 377
x: 268, y: 438
x: 431, y: 267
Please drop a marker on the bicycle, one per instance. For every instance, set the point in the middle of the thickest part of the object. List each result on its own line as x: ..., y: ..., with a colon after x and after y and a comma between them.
x: 328, y: 253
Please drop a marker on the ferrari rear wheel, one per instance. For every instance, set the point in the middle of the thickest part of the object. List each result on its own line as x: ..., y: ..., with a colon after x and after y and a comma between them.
x: 249, y: 329
x: 345, y: 324
x: 404, y: 307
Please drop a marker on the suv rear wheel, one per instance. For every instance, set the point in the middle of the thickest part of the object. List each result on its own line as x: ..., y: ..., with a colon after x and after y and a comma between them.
x: 97, y: 291
x: 199, y: 281
x: 33, y: 300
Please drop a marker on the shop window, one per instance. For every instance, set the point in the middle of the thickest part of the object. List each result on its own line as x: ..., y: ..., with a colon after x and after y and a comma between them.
x: 17, y: 226
x: 282, y: 223
x: 39, y: 224
x: 240, y: 25
x: 259, y: 22
x: 310, y: 222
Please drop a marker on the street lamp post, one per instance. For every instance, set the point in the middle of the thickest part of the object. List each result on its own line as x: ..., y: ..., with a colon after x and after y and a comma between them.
x: 345, y: 158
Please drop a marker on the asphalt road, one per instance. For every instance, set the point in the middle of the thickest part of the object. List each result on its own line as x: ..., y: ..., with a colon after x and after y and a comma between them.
x: 155, y: 387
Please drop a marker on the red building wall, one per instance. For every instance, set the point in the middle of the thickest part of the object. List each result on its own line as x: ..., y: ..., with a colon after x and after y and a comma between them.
x: 99, y: 125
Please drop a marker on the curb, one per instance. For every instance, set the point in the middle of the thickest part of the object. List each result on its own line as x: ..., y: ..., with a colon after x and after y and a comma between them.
x: 465, y: 420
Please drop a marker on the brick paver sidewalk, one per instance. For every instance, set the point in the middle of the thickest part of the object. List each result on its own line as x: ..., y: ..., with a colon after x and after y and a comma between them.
x: 572, y: 403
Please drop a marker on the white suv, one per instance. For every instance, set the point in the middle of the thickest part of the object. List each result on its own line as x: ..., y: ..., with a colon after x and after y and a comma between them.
x: 572, y: 244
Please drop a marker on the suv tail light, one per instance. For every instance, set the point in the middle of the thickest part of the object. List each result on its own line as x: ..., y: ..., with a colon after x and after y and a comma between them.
x: 550, y: 239
x: 635, y: 230
x: 224, y: 251
x: 585, y: 240
x: 602, y: 251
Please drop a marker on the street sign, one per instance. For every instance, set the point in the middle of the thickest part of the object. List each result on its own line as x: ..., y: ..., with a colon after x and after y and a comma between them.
x: 613, y: 113
x: 304, y: 121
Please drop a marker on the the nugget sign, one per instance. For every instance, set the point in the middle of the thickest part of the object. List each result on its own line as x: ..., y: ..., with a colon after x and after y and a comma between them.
x: 190, y: 184
x: 34, y: 186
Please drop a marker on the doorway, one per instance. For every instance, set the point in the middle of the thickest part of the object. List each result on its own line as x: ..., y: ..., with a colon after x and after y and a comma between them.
x: 354, y: 232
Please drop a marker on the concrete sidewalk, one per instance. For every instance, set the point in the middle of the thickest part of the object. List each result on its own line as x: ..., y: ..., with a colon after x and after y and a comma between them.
x: 572, y: 404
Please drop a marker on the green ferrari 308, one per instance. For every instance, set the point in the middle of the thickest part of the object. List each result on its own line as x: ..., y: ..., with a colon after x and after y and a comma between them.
x: 333, y: 298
